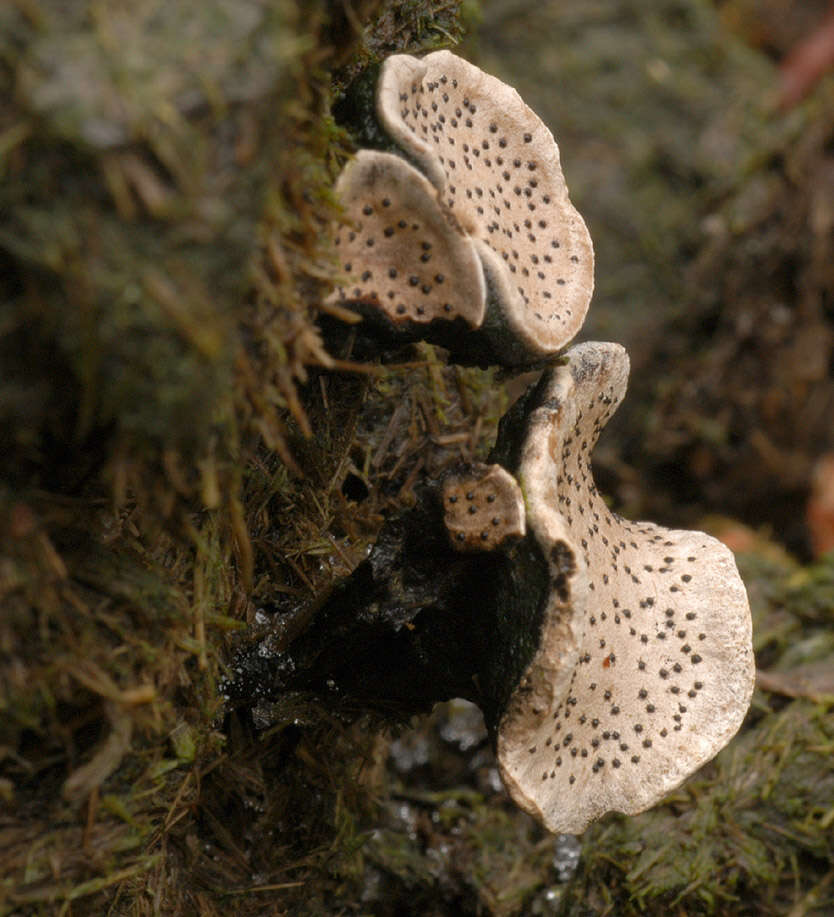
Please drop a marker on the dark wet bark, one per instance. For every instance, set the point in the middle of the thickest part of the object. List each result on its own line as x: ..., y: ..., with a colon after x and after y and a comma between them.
x: 415, y: 624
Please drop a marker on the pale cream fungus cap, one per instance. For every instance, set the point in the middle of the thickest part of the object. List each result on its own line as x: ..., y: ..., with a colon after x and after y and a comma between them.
x: 645, y: 667
x: 496, y: 166
x: 399, y: 250
x: 488, y: 196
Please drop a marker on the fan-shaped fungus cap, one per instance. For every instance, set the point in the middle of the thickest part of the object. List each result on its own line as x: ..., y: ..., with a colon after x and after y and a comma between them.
x: 645, y: 666
x: 483, y: 507
x: 497, y: 168
x: 403, y: 254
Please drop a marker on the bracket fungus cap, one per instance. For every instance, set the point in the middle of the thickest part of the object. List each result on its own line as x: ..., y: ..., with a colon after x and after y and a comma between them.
x: 402, y: 252
x: 645, y: 666
x: 483, y: 507
x: 497, y: 168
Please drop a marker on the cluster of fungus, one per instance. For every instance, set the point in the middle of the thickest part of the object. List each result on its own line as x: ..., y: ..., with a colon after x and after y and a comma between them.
x: 493, y: 188
x: 635, y: 666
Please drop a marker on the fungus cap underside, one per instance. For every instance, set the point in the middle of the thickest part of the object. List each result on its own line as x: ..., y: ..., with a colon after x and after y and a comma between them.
x: 401, y: 252
x: 647, y: 636
x: 497, y: 167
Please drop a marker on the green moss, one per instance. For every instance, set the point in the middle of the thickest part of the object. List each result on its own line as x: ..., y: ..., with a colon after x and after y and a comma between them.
x: 131, y: 222
x: 731, y: 840
x: 166, y: 178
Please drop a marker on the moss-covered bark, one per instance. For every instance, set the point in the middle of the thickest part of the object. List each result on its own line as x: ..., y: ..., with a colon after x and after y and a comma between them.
x: 164, y: 191
x: 164, y: 186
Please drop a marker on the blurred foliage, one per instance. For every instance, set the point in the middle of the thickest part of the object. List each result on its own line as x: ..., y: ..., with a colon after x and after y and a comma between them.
x: 711, y: 215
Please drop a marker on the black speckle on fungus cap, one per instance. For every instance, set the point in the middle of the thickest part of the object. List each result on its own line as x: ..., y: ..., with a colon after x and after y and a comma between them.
x: 645, y: 668
x: 400, y: 251
x: 496, y: 166
x: 482, y: 507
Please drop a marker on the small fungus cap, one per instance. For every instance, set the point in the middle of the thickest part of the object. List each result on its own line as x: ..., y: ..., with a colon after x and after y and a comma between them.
x: 645, y: 668
x: 497, y: 168
x: 483, y: 508
x: 402, y: 253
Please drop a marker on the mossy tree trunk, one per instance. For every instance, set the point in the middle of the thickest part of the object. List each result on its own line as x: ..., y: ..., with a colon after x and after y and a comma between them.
x: 165, y: 175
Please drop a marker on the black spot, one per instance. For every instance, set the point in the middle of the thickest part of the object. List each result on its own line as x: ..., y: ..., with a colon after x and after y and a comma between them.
x: 354, y: 488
